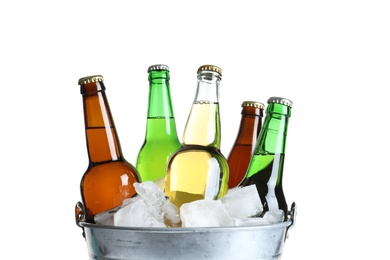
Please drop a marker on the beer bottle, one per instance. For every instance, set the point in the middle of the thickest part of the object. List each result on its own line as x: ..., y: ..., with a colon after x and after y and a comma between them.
x: 248, y: 132
x: 109, y: 178
x: 198, y: 170
x: 161, y: 139
x: 265, y: 169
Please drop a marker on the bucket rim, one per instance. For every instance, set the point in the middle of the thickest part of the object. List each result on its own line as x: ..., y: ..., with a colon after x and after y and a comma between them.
x: 283, y: 224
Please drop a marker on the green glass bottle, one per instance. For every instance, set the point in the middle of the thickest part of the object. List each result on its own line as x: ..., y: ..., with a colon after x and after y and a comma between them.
x: 265, y: 169
x: 199, y: 170
x: 161, y: 139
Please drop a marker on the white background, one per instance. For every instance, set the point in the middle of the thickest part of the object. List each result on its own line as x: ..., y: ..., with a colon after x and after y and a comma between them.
x: 331, y: 58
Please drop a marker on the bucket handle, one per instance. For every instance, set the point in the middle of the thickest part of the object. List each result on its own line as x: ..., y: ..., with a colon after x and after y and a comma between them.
x: 80, y: 215
x: 292, y: 213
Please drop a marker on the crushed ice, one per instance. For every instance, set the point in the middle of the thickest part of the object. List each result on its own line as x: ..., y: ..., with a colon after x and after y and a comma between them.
x: 150, y: 208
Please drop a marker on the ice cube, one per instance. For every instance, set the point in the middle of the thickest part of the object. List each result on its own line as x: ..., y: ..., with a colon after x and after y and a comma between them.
x: 171, y: 214
x: 270, y: 217
x: 151, y: 193
x: 130, y: 200
x: 274, y: 216
x: 106, y: 217
x: 205, y: 213
x: 137, y: 214
x: 238, y: 222
x: 149, y: 208
x: 242, y: 202
x: 154, y: 196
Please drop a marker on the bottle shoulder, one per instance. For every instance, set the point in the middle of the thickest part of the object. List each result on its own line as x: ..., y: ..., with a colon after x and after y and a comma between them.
x: 198, y: 149
x: 159, y: 146
x: 111, y: 168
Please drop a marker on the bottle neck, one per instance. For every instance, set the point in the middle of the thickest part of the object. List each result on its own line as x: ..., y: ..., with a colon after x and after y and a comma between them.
x: 250, y: 125
x: 160, y: 103
x: 203, y: 124
x: 160, y: 121
x: 207, y: 90
x: 101, y: 136
x: 272, y: 139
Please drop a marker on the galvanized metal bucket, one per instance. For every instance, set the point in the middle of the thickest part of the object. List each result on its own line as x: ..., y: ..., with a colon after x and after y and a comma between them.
x: 252, y: 242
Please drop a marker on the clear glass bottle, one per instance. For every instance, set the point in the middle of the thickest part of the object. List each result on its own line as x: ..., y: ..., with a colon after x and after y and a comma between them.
x: 109, y: 178
x: 199, y: 170
x: 245, y: 142
x: 266, y: 166
x: 161, y: 139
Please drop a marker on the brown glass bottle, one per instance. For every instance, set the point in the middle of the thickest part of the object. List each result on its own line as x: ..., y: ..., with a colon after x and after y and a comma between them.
x: 248, y: 132
x: 109, y: 178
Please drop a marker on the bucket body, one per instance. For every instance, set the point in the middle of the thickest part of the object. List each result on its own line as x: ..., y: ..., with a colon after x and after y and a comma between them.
x: 264, y: 242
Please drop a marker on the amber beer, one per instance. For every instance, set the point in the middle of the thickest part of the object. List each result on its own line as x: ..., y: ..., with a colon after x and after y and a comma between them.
x: 109, y: 178
x: 248, y: 132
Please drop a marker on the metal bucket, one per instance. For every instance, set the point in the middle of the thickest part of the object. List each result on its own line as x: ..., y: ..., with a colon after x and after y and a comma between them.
x: 252, y: 242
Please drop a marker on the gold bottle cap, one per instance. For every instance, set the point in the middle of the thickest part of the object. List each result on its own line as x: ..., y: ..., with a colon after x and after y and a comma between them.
x: 279, y: 100
x: 252, y: 104
x: 158, y: 67
x: 210, y: 68
x: 89, y: 79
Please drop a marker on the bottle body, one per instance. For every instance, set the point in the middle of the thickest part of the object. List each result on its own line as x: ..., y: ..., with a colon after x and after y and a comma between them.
x: 245, y: 142
x: 198, y: 170
x: 161, y: 139
x: 104, y: 186
x: 109, y: 178
x: 266, y: 166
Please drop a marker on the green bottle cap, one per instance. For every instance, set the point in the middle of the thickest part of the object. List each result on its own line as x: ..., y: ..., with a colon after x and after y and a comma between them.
x: 89, y: 79
x: 283, y: 101
x: 210, y: 68
x: 158, y: 67
x: 252, y: 104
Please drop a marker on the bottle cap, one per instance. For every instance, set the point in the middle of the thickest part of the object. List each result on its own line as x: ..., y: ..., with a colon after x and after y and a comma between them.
x: 283, y: 101
x: 89, y: 79
x: 210, y: 68
x: 158, y: 67
x: 252, y: 104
